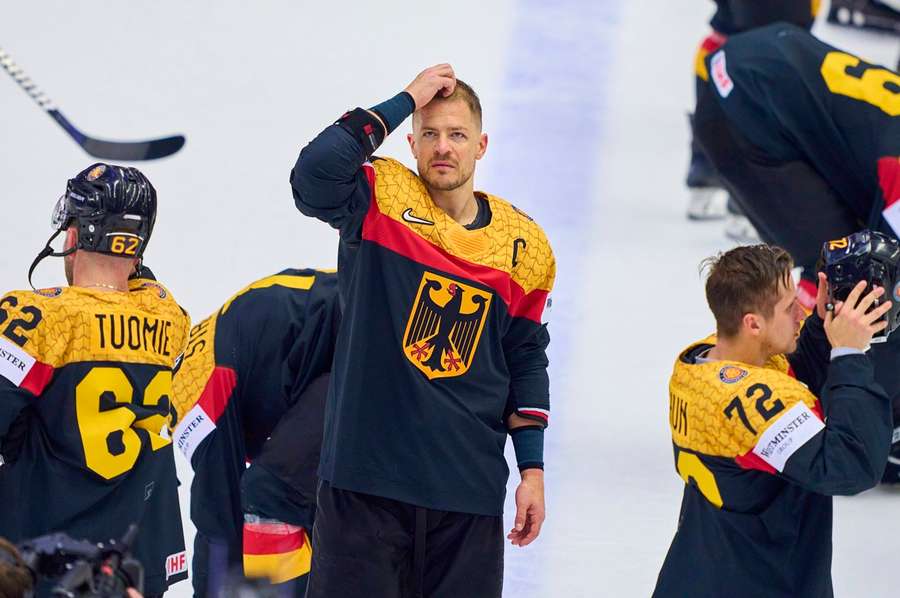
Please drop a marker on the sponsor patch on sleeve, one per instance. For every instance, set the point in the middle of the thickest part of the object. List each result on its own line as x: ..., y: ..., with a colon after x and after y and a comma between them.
x: 784, y: 437
x: 548, y: 307
x: 192, y: 429
x: 720, y: 75
x: 15, y: 363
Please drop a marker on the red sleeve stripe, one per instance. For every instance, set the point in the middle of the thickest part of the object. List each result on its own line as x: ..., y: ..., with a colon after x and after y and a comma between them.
x: 751, y: 460
x: 217, y: 392
x: 817, y: 409
x: 889, y: 179
x: 269, y: 538
x: 541, y: 414
x: 713, y: 42
x: 395, y: 236
x: 37, y: 378
x: 806, y: 294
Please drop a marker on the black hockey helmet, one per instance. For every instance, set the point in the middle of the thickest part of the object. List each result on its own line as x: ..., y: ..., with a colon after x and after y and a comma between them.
x: 114, y: 208
x: 870, y: 256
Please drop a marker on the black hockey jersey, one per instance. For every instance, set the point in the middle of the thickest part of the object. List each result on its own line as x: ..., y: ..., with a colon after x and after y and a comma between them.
x: 85, y: 381
x: 243, y: 368
x: 795, y: 97
x: 442, y: 335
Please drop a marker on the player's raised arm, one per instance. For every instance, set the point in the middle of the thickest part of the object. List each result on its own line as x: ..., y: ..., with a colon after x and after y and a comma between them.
x: 328, y: 181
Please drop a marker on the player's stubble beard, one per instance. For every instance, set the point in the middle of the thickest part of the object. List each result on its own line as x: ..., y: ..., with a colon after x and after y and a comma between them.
x: 435, y: 182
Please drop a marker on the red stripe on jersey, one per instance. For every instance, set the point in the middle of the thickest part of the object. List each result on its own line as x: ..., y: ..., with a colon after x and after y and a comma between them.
x: 261, y: 542
x: 889, y: 179
x: 817, y: 409
x: 217, y: 392
x: 751, y: 460
x: 37, y: 378
x: 535, y: 414
x: 791, y: 372
x: 713, y: 42
x: 806, y: 294
x: 395, y: 236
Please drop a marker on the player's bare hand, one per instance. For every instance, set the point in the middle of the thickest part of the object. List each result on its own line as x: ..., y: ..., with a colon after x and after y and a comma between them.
x: 849, y: 325
x: 437, y: 79
x: 529, y: 508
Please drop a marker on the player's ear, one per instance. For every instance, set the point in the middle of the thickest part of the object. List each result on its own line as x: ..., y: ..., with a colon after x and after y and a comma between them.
x: 482, y: 146
x: 752, y: 324
x: 411, y: 139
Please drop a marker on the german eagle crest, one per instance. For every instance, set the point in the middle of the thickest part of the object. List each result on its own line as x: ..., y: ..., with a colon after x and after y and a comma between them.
x: 445, y: 325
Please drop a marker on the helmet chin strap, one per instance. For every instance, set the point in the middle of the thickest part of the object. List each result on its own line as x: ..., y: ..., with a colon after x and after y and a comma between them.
x: 48, y: 252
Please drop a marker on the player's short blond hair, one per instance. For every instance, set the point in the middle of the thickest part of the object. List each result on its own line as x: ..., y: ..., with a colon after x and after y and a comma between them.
x: 745, y: 280
x: 463, y: 92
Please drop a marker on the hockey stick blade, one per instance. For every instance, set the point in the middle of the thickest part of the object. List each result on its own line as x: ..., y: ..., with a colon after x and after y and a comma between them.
x: 134, y: 150
x: 98, y: 148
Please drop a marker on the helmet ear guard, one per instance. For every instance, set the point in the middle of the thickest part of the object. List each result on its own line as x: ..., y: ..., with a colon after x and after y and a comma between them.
x: 870, y: 256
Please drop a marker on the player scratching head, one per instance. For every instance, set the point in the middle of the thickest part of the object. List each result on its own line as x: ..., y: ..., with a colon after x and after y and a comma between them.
x: 447, y: 139
x: 752, y: 296
x: 107, y: 214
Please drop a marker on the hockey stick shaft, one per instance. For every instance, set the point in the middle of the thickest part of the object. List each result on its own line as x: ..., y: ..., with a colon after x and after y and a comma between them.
x: 25, y: 82
x: 150, y: 149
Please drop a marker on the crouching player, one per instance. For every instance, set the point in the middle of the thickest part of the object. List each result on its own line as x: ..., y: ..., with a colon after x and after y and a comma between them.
x: 769, y: 422
x: 264, y: 356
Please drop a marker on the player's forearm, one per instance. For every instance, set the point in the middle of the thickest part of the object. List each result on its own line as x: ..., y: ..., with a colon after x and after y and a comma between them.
x: 529, y: 381
x: 528, y: 442
x: 325, y: 175
x: 849, y: 455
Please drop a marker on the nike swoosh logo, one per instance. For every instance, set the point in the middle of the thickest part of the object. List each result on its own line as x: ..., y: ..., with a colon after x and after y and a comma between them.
x: 409, y: 217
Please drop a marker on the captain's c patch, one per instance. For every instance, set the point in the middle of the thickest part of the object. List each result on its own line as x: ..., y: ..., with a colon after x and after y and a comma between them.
x: 445, y: 326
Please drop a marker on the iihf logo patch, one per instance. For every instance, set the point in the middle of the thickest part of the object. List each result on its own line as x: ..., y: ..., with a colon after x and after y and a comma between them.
x: 897, y: 292
x: 731, y: 374
x: 49, y: 292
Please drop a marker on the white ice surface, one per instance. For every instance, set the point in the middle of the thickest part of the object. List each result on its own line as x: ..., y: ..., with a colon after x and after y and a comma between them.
x: 585, y: 102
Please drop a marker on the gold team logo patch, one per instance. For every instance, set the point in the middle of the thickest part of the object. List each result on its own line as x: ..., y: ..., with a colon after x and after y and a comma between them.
x: 444, y: 326
x: 96, y: 172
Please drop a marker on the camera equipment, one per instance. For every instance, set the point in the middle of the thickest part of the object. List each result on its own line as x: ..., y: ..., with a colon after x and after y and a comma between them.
x: 870, y: 256
x: 84, y: 569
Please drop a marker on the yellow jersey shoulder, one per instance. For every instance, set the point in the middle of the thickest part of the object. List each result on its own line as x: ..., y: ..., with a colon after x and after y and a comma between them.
x: 530, y: 258
x: 196, y: 367
x: 61, y: 325
x: 721, y: 408
x: 512, y: 242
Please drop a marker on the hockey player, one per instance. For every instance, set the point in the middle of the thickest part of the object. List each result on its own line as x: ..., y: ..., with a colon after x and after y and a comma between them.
x: 807, y: 139
x: 85, y: 381
x: 708, y: 198
x: 760, y: 453
x: 441, y: 355
x: 262, y: 357
x: 806, y: 136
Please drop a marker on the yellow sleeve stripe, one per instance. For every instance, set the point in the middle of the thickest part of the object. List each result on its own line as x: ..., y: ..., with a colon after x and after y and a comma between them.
x: 279, y: 568
x: 282, y: 280
x: 700, y: 64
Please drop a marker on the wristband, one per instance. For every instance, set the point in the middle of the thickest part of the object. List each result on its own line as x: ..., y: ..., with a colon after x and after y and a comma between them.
x: 395, y: 110
x: 528, y: 442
